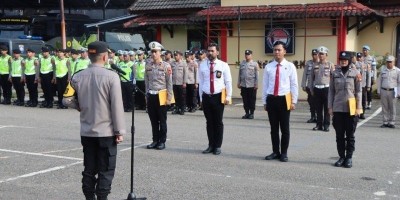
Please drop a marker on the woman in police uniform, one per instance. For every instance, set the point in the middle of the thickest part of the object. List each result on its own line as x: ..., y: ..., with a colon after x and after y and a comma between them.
x: 345, y: 93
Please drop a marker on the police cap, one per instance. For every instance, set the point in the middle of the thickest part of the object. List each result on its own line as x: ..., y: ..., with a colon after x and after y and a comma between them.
x: 344, y: 55
x: 248, y: 52
x: 189, y: 52
x: 155, y: 46
x: 168, y: 52
x: 390, y: 58
x: 359, y: 54
x: 3, y: 48
x: 139, y: 52
x: 97, y: 47
x: 366, y: 47
x: 314, y: 51
x: 177, y: 53
x: 45, y: 49
x: 74, y: 51
x: 322, y: 49
x: 16, y: 51
x: 30, y: 50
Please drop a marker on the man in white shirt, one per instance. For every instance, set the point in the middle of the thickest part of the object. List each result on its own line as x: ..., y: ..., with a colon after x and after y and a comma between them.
x: 280, y: 80
x: 214, y: 76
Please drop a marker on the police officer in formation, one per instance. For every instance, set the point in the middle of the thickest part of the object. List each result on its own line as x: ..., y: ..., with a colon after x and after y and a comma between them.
x: 179, y: 79
x: 158, y: 77
x: 388, y: 87
x: 61, y: 75
x: 140, y: 67
x: 126, y: 65
x: 16, y: 77
x: 306, y: 84
x: 201, y: 55
x: 75, y: 54
x: 345, y: 85
x: 248, y: 84
x: 320, y: 77
x: 31, y: 76
x: 5, y: 67
x: 191, y: 82
x: 371, y: 61
x: 46, y: 76
x: 365, y: 71
x: 83, y: 61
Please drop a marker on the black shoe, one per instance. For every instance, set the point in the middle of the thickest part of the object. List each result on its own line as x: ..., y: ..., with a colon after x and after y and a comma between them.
x: 384, y: 126
x: 175, y: 112
x: 273, y: 156
x: 246, y: 116
x: 391, y: 126
x: 251, y: 116
x: 312, y: 120
x: 340, y: 162
x: 362, y: 116
x: 160, y: 146
x: 283, y: 158
x: 182, y: 112
x: 217, y: 151
x: 348, y: 163
x: 192, y: 110
x: 326, y: 129
x: 208, y: 150
x: 317, y: 128
x: 20, y: 104
x: 152, y: 145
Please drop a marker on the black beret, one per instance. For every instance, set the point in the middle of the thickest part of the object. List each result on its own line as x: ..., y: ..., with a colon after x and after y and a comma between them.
x: 45, y: 49
x: 16, y: 51
x: 3, y: 47
x: 359, y: 54
x: 112, y: 50
x: 74, y: 51
x: 97, y: 47
x: 314, y: 51
x: 178, y: 52
x: 344, y: 55
x: 30, y: 50
x: 189, y: 52
x: 63, y: 50
x: 248, y: 52
x: 168, y: 52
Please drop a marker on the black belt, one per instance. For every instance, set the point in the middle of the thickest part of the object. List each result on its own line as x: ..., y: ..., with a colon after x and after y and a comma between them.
x: 211, y: 95
x: 388, y: 89
x: 271, y: 95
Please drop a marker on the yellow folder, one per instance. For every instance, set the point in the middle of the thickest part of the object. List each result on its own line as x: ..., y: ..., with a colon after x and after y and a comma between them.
x: 353, y: 106
x: 288, y: 97
x: 163, y: 97
x: 223, y: 97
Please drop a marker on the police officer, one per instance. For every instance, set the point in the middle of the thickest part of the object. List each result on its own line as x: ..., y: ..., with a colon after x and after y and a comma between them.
x: 140, y: 67
x: 365, y: 71
x: 214, y: 77
x: 388, y: 82
x: 168, y: 57
x: 16, y: 77
x: 179, y: 78
x: 83, y: 61
x: 126, y: 81
x: 5, y: 67
x: 75, y: 54
x: 371, y: 61
x: 202, y: 55
x: 191, y: 83
x: 102, y: 120
x: 248, y: 84
x: 30, y: 68
x: 158, y: 77
x: 46, y: 76
x: 306, y: 83
x: 320, y: 77
x: 62, y: 75
x: 345, y: 84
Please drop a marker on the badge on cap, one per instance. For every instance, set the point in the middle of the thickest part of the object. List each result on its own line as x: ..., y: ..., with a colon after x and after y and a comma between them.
x: 344, y: 54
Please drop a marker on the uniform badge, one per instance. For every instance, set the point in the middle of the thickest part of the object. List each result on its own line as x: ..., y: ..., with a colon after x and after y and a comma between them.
x: 153, y: 45
x: 218, y: 74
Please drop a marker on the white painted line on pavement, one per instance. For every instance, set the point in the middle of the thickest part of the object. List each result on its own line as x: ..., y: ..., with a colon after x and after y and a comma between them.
x: 129, y: 148
x: 40, y: 154
x: 58, y: 151
x: 379, y: 110
x: 40, y: 172
x: 12, y: 126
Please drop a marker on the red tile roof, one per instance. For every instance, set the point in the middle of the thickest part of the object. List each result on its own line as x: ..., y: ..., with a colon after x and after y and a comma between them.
x: 157, y: 20
x: 151, y: 5
x: 389, y: 11
x: 285, y: 11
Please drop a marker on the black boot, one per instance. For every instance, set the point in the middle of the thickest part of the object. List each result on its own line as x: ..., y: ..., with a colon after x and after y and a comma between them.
x: 340, y: 162
x: 348, y: 163
x: 312, y: 119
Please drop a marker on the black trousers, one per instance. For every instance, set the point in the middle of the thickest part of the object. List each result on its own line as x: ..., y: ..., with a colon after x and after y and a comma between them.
x: 279, y: 117
x: 345, y: 126
x: 369, y: 92
x: 47, y: 87
x: 158, y: 118
x: 311, y: 103
x: 61, y: 86
x: 99, y: 158
x: 127, y: 90
x: 19, y: 88
x: 191, y: 96
x: 140, y: 99
x: 178, y: 93
x: 364, y: 98
x: 32, y: 88
x: 213, y: 110
x: 6, y: 86
x: 321, y: 102
x: 249, y: 99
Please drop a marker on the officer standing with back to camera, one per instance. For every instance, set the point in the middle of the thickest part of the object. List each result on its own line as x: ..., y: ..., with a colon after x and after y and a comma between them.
x: 97, y: 96
x: 306, y: 84
x: 248, y: 84
x: 371, y: 61
x: 320, y: 77
x: 5, y: 67
x: 158, y: 76
x: 389, y: 88
x: 345, y: 84
x: 365, y: 71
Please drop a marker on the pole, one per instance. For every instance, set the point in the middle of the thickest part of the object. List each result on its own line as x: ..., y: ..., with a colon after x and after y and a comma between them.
x: 131, y: 195
x: 63, y: 36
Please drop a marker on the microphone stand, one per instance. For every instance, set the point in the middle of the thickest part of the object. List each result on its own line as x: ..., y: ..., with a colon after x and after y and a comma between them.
x: 131, y: 195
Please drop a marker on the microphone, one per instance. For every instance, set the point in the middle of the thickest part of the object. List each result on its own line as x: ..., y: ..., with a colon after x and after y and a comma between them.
x: 116, y: 68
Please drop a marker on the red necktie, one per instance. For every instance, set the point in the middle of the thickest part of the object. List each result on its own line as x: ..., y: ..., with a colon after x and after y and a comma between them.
x: 212, y: 77
x: 276, y: 86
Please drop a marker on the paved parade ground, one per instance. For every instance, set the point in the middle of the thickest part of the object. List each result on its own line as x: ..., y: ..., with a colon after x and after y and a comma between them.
x: 41, y: 158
